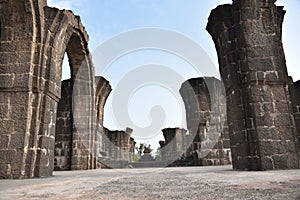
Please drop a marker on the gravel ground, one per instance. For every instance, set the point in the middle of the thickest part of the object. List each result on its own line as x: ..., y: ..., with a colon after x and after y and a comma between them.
x: 157, y: 183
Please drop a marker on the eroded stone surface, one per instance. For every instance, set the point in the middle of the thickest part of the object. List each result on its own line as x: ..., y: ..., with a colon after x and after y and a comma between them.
x: 119, y: 148
x: 295, y: 94
x: 205, y: 106
x: 34, y: 39
x: 248, y: 39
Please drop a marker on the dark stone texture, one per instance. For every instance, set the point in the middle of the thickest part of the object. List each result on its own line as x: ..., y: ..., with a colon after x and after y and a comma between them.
x: 247, y: 36
x: 205, y: 105
x: 117, y: 148
x: 30, y: 86
x: 295, y: 94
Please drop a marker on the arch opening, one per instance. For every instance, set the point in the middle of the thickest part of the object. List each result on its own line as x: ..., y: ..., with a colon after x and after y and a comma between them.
x: 66, y: 144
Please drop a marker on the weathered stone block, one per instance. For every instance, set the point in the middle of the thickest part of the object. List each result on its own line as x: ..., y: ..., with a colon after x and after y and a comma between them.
x: 7, y: 81
x: 5, y: 171
x: 4, y: 141
x: 17, y: 141
x: 7, y: 155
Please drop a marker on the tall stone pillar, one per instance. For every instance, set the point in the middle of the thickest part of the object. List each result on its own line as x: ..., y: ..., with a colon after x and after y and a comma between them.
x: 248, y: 40
x: 131, y: 150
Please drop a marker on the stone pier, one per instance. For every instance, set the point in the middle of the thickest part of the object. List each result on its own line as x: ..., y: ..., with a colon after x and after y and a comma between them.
x: 205, y: 105
x: 248, y: 40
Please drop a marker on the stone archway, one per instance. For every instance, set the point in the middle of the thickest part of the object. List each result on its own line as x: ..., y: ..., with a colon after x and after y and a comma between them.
x: 70, y: 36
x: 34, y: 39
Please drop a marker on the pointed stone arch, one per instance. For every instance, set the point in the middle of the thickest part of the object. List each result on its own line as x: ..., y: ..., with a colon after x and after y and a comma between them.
x: 33, y: 44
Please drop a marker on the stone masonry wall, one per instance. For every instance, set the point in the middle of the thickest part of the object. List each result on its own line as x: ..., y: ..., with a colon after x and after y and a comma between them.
x: 102, y: 92
x: 205, y: 105
x: 295, y: 94
x: 65, y: 125
x: 119, y: 148
x: 248, y: 40
x: 34, y: 39
x: 64, y: 128
x: 174, y: 146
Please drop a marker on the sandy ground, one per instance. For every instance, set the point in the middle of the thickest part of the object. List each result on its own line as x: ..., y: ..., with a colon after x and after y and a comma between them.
x: 157, y: 183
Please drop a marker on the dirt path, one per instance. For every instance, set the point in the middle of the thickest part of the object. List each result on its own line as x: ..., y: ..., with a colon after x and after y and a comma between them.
x: 153, y: 183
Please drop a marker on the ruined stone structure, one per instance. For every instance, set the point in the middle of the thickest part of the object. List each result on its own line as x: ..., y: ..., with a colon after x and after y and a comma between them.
x: 248, y: 39
x: 46, y: 122
x: 64, y: 125
x: 208, y: 140
x: 34, y: 39
x: 205, y: 105
x: 119, y: 148
x: 175, y: 145
x: 64, y: 128
x: 115, y: 149
x: 295, y: 94
x: 102, y: 92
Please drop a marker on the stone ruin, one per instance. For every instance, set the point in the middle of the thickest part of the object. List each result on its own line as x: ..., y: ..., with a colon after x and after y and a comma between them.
x: 248, y: 40
x: 37, y: 126
x: 39, y: 132
x: 114, y: 149
x: 205, y: 105
x: 208, y: 140
x: 118, y: 150
x: 295, y: 94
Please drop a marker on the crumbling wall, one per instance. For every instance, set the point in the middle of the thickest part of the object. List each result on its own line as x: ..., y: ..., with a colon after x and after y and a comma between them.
x: 205, y: 106
x: 174, y: 146
x: 248, y: 40
x: 119, y: 148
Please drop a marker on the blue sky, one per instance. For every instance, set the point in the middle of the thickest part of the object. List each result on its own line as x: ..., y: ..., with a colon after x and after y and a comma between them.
x: 104, y: 19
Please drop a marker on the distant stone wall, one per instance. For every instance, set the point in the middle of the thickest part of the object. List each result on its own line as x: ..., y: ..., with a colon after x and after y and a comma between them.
x: 118, y: 147
x: 174, y: 146
x: 248, y: 40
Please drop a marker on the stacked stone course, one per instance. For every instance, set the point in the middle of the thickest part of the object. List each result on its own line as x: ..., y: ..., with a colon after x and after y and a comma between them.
x: 247, y: 36
x: 34, y: 39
